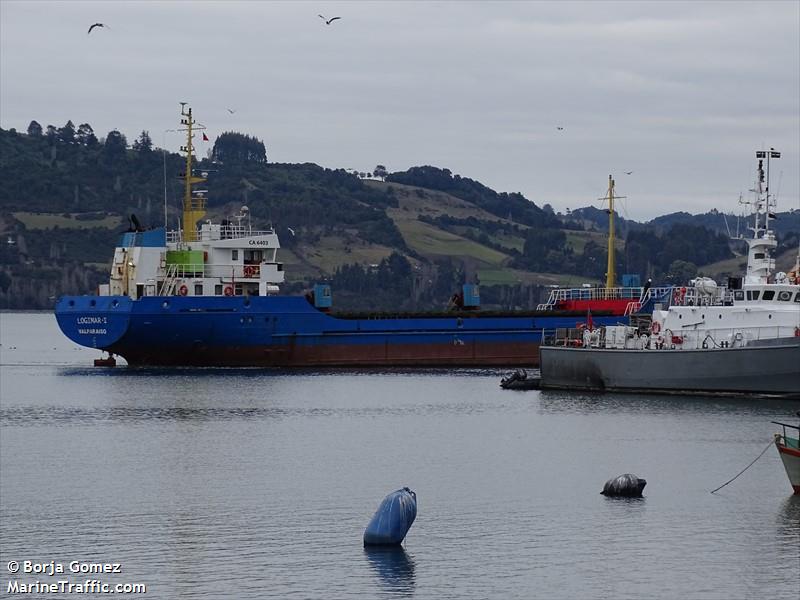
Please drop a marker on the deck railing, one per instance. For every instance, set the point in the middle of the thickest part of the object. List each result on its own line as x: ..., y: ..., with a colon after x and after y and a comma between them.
x: 686, y: 339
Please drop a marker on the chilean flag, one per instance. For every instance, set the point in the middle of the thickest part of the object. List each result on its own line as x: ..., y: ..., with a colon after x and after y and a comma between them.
x: 589, y: 324
x: 205, y: 137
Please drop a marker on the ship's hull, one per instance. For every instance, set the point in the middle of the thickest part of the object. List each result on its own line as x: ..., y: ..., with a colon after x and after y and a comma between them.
x: 275, y: 331
x: 789, y: 450
x: 757, y: 370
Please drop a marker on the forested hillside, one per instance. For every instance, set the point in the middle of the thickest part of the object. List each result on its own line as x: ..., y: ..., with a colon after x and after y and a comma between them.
x: 403, y: 240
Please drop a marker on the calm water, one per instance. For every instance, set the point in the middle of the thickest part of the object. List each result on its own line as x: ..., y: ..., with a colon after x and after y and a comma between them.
x: 256, y: 484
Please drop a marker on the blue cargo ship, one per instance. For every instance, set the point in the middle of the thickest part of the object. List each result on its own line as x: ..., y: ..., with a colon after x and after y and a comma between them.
x: 208, y: 295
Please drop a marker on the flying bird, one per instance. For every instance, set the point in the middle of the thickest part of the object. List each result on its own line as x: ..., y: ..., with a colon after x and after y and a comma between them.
x: 560, y: 128
x: 96, y: 25
x: 328, y: 21
x: 628, y: 172
x: 230, y: 110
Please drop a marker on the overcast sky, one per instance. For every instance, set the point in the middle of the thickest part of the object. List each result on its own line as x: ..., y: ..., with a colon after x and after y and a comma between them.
x: 680, y: 93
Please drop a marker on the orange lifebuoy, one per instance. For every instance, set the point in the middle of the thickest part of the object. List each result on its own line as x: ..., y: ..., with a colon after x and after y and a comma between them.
x: 797, y: 332
x: 183, y: 290
x: 229, y: 291
x: 249, y: 271
x: 655, y: 327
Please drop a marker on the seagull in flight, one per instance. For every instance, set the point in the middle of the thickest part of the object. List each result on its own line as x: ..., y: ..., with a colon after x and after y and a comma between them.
x: 628, y: 172
x: 560, y: 128
x: 96, y: 25
x: 230, y: 110
x: 328, y: 21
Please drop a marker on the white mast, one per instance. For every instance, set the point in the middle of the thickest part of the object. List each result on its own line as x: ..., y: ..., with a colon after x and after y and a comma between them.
x: 760, y: 263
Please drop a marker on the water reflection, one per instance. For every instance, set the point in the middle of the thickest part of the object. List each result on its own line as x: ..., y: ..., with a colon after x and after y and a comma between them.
x: 789, y: 517
x: 599, y: 402
x: 394, y: 568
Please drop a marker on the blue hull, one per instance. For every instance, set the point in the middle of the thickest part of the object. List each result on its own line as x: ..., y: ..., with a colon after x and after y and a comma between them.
x: 286, y: 331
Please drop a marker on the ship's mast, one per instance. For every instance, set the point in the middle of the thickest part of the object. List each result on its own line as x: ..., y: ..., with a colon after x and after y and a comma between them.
x: 760, y: 263
x: 194, y: 208
x: 611, y: 269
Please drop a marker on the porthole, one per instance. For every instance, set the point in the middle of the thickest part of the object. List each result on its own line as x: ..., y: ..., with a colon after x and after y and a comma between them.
x: 165, y: 304
x: 115, y: 303
x: 72, y: 302
x: 92, y: 303
x: 720, y: 316
x: 770, y: 316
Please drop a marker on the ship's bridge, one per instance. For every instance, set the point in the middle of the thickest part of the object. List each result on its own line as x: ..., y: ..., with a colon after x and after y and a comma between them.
x: 770, y: 293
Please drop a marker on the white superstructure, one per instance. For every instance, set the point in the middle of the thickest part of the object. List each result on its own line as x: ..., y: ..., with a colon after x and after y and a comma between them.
x: 761, y: 308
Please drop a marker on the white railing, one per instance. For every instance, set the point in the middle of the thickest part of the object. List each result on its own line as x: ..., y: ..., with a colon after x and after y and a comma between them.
x: 223, y: 232
x: 600, y: 293
x: 696, y: 339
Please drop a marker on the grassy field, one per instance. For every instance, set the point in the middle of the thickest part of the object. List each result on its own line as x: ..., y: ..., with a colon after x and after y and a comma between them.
x: 513, y: 277
x: 579, y: 239
x: 334, y: 251
x: 50, y: 220
x: 431, y: 203
x: 434, y: 243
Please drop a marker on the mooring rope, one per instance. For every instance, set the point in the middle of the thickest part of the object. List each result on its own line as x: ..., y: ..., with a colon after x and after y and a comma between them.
x: 747, y: 467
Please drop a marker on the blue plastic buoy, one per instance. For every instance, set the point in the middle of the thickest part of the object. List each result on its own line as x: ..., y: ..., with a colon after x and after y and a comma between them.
x: 392, y: 520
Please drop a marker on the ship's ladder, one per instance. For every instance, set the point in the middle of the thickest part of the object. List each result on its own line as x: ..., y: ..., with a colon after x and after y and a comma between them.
x: 170, y: 278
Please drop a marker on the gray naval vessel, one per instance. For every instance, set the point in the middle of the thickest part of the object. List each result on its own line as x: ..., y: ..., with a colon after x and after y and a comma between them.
x: 741, y: 338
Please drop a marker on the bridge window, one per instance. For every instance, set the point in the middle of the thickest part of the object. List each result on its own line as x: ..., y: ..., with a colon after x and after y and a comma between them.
x: 769, y: 294
x: 758, y: 255
x: 785, y: 296
x: 218, y: 289
x: 753, y: 295
x: 738, y: 295
x: 198, y: 289
x: 797, y: 297
x: 235, y: 255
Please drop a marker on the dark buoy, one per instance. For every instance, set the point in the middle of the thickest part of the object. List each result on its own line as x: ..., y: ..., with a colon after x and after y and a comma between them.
x: 392, y: 520
x: 627, y: 486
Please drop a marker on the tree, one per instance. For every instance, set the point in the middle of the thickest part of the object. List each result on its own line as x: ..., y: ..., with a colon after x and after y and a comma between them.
x: 115, y: 146
x: 34, y: 129
x: 66, y: 133
x: 86, y: 136
x: 143, y: 145
x: 380, y: 172
x: 681, y: 271
x: 52, y: 134
x: 236, y: 148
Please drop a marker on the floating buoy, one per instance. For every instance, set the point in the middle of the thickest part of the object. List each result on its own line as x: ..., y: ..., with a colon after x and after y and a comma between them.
x: 627, y: 485
x: 392, y: 520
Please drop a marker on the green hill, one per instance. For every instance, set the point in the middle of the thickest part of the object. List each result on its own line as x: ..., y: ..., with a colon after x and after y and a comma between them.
x: 404, y: 243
